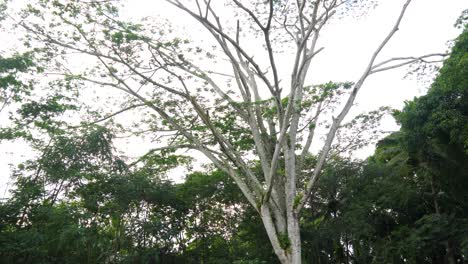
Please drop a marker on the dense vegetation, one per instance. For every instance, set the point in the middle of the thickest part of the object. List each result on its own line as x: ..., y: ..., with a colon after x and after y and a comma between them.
x: 79, y: 202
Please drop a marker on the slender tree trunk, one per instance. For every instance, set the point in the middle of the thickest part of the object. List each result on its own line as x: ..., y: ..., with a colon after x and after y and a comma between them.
x: 286, y: 243
x: 295, y: 239
x: 273, y: 235
x: 449, y: 257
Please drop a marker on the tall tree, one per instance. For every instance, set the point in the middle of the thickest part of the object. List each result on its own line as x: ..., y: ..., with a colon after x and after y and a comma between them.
x: 435, y: 134
x: 243, y: 117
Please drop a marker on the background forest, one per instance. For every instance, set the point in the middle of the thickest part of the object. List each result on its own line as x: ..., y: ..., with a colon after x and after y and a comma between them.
x: 79, y: 202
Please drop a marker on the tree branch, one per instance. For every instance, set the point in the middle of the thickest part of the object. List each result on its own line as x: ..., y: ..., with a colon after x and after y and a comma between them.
x: 337, y: 121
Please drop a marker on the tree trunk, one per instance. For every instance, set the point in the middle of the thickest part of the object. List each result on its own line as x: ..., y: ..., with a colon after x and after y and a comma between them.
x: 286, y: 243
x: 449, y: 256
x: 295, y: 240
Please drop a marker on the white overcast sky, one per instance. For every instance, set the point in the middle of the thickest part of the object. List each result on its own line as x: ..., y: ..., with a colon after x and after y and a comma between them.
x: 426, y: 28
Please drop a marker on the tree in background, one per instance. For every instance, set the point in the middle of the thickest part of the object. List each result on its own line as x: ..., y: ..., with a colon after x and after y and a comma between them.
x: 79, y: 203
x: 407, y: 203
x: 435, y: 135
